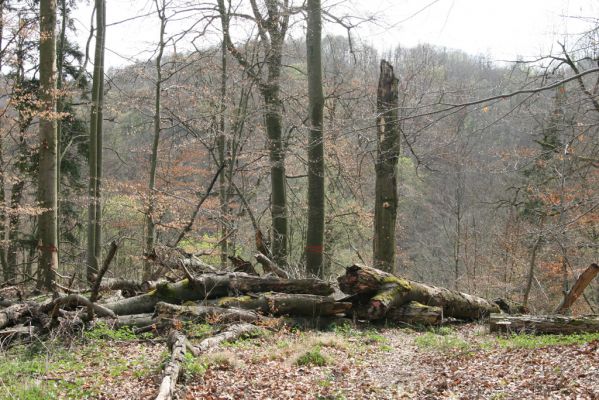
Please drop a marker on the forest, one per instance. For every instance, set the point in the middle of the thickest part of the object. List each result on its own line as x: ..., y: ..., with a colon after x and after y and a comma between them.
x: 262, y: 209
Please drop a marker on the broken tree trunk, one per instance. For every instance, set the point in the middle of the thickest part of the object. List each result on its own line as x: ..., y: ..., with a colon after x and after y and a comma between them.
x: 210, y: 286
x: 177, y: 343
x: 270, y: 266
x: 543, y: 323
x: 391, y: 291
x: 287, y: 304
x: 581, y: 283
x: 202, y: 314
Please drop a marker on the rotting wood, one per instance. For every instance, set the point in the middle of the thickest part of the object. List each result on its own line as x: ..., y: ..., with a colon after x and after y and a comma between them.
x: 233, y: 332
x: 415, y: 313
x: 210, y: 286
x: 557, y: 324
x: 166, y: 311
x: 287, y: 304
x: 177, y: 343
x: 390, y: 291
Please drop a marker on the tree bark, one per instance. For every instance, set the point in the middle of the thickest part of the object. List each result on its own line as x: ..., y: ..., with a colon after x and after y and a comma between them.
x: 581, y: 283
x: 315, y: 229
x: 390, y: 291
x: 385, y: 207
x: 48, y: 156
x: 557, y: 324
x: 287, y: 304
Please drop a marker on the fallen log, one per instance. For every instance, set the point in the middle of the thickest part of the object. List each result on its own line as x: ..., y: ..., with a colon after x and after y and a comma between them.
x: 74, y: 300
x: 581, y: 283
x: 177, y: 343
x: 415, y: 313
x: 12, y: 314
x: 543, y: 323
x: 390, y: 291
x: 232, y: 333
x: 210, y: 286
x: 278, y: 304
x: 201, y: 314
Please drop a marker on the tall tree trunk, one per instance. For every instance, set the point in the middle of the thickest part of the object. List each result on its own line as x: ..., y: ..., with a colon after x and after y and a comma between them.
x: 272, y: 31
x: 274, y: 110
x: 48, y: 157
x: 223, y: 158
x: 385, y: 208
x: 150, y: 228
x: 315, y: 229
x: 3, y: 246
x: 94, y: 227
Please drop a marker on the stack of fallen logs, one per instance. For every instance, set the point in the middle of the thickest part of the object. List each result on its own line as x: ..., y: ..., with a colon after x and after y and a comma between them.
x: 243, y: 301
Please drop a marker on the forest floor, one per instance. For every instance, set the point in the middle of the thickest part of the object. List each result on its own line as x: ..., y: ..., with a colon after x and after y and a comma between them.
x: 450, y: 362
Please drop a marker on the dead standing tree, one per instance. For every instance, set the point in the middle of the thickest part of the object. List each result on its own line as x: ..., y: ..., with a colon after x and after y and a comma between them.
x: 385, y: 208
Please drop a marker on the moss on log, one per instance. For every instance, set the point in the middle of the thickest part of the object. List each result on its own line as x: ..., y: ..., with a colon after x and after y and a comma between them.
x: 211, y: 286
x: 389, y: 291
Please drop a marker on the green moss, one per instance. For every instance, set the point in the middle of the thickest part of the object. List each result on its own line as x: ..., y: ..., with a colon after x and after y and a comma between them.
x: 397, y: 281
x: 387, y: 296
x: 231, y: 301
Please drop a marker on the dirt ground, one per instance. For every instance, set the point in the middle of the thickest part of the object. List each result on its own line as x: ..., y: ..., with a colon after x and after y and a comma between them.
x: 453, y: 362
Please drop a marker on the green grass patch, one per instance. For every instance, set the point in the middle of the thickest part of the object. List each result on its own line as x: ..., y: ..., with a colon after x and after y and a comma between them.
x: 102, y: 331
x: 443, y: 343
x: 312, y: 356
x: 528, y: 341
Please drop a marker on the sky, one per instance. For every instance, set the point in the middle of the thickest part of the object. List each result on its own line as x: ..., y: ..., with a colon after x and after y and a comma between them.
x: 498, y: 29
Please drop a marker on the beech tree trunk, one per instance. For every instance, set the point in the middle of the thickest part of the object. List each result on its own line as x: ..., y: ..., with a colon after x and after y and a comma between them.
x: 385, y: 206
x: 94, y: 227
x: 558, y: 324
x: 389, y: 291
x: 271, y: 32
x: 315, y: 228
x: 48, y: 154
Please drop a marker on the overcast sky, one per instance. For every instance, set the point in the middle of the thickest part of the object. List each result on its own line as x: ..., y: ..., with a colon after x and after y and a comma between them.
x: 500, y: 29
